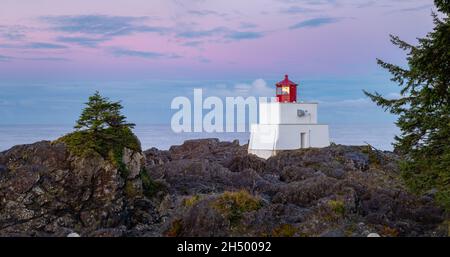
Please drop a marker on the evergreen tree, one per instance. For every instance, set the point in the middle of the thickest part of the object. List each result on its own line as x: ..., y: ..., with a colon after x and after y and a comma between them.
x: 101, y: 113
x: 102, y: 129
x: 424, y: 109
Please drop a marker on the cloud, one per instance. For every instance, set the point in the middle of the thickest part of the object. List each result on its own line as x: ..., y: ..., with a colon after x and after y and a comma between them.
x: 221, y: 31
x: 40, y: 45
x: 311, y: 2
x: 33, y: 45
x: 297, y: 9
x: 315, y: 22
x: 104, y: 25
x: 201, y: 33
x: 52, y: 59
x: 82, y: 41
x: 4, y: 58
x: 13, y: 33
x: 203, y: 59
x: 256, y: 88
x: 193, y: 43
x: 121, y: 52
x: 248, y: 25
x: 417, y: 8
x: 240, y: 35
x: 205, y: 13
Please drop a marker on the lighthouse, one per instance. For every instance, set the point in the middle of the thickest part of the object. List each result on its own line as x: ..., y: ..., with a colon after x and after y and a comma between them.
x: 286, y: 124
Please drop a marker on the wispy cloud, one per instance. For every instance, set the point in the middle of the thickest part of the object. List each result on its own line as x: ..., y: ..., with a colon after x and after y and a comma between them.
x: 297, y: 10
x: 12, y: 33
x: 311, y: 2
x: 82, y: 41
x: 417, y: 8
x: 34, y: 45
x: 122, y: 52
x: 240, y: 35
x: 52, y: 59
x: 104, y: 25
x: 41, y: 45
x: 315, y: 22
x: 258, y: 87
x: 206, y: 13
x: 203, y: 59
x: 193, y: 43
x: 248, y: 25
x: 5, y: 58
x: 201, y: 33
x: 221, y: 31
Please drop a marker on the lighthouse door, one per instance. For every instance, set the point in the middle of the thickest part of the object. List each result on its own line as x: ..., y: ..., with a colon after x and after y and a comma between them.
x: 302, y: 140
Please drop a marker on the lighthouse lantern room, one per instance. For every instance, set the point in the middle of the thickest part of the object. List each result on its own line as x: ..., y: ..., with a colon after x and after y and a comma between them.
x: 286, y: 124
x: 286, y: 91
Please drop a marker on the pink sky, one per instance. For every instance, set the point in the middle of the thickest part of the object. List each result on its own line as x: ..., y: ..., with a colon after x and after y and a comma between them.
x: 177, y: 39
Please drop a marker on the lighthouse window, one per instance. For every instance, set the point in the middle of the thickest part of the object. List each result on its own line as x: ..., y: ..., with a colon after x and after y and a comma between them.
x: 279, y: 92
x: 285, y: 90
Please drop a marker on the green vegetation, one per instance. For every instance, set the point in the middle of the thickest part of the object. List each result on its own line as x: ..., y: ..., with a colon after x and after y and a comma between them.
x: 175, y: 229
x: 374, y: 156
x: 102, y: 129
x: 337, y: 206
x: 191, y: 200
x: 233, y: 205
x: 285, y: 230
x: 150, y: 186
x: 389, y: 232
x: 424, y: 109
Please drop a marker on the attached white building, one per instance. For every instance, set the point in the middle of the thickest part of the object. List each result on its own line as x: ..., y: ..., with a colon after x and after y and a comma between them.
x: 286, y: 125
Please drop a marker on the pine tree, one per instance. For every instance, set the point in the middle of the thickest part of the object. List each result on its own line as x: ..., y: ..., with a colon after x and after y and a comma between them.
x: 102, y: 129
x: 101, y: 113
x: 424, y: 108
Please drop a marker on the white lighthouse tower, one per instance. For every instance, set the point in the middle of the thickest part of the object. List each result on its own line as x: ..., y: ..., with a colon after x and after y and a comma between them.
x: 286, y: 124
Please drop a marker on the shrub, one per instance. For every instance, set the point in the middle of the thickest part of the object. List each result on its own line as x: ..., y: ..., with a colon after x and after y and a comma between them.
x: 151, y: 187
x: 176, y: 228
x: 191, y: 200
x: 233, y: 205
x: 285, y: 230
x: 337, y: 206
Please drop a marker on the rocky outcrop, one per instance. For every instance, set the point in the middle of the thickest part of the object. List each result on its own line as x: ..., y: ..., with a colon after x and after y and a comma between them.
x: 210, y: 188
x: 44, y: 190
x: 334, y: 191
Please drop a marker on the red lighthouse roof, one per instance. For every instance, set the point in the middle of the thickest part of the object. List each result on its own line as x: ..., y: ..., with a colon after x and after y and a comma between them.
x: 286, y: 82
x: 286, y: 91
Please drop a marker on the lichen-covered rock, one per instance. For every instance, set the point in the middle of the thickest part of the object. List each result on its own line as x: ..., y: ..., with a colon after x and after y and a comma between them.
x: 210, y: 188
x: 45, y: 190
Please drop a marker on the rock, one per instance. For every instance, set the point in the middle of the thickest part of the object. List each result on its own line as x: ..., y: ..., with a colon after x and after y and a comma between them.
x: 3, y: 169
x: 333, y: 233
x: 358, y: 160
x: 331, y: 191
x: 134, y: 161
x: 45, y: 186
x: 73, y: 234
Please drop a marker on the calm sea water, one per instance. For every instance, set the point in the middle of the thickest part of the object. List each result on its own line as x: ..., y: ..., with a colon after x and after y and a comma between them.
x: 162, y: 137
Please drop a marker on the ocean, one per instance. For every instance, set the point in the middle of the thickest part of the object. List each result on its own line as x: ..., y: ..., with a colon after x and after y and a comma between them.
x: 162, y: 137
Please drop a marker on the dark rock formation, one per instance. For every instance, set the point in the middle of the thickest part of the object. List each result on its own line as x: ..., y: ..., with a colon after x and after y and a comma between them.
x: 47, y: 191
x: 210, y: 188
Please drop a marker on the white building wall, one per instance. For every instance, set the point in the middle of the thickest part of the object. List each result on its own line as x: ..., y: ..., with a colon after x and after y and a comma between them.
x: 288, y: 137
x: 281, y: 128
x: 286, y: 113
